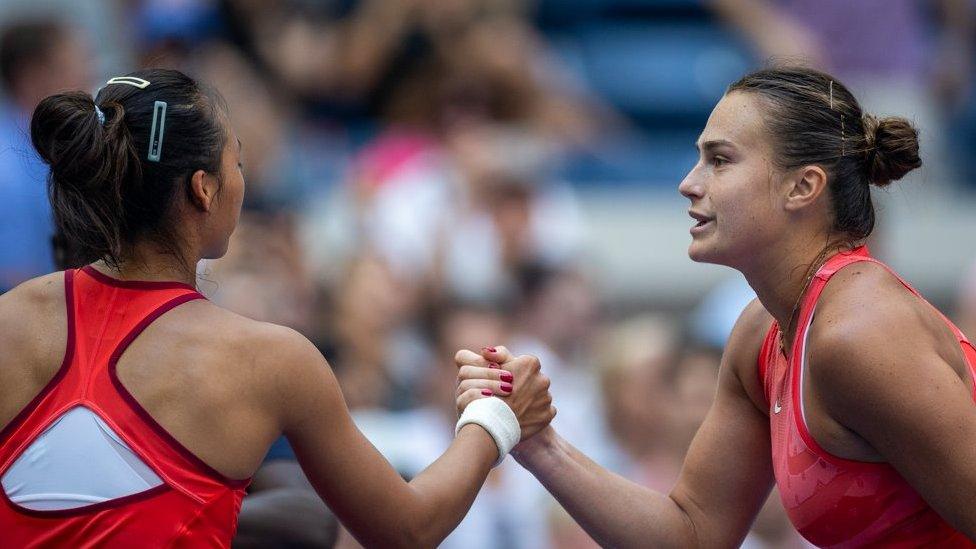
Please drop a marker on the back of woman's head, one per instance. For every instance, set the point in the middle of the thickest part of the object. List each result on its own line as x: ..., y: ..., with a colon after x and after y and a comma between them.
x: 108, y: 189
x: 813, y: 119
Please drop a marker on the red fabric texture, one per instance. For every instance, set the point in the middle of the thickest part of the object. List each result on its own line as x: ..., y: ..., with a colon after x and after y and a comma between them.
x: 195, y: 506
x: 832, y: 501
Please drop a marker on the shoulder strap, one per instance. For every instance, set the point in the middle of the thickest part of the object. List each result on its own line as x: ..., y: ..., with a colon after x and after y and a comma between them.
x: 836, y: 262
x: 766, y: 354
x: 33, y: 417
x: 110, y: 313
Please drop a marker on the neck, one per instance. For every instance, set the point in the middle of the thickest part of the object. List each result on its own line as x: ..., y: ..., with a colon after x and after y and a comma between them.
x: 780, y: 280
x: 148, y: 263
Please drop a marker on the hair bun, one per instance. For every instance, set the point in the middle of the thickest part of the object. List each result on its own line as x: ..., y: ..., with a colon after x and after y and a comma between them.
x: 892, y: 144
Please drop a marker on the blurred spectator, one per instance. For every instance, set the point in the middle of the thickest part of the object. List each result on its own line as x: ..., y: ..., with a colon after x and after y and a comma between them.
x: 513, y: 213
x: 638, y: 358
x: 37, y: 58
x: 882, y: 49
x: 834, y: 35
x: 557, y: 317
x: 263, y: 122
x: 282, y: 510
x: 263, y: 275
x: 471, y: 123
x: 695, y: 381
x: 424, y: 206
x: 715, y: 315
x: 380, y: 350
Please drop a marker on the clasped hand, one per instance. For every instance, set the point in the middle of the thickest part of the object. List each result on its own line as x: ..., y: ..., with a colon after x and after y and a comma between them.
x: 518, y: 381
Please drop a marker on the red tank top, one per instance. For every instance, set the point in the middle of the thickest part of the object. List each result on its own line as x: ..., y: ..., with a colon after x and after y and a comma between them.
x: 832, y: 501
x: 194, y: 506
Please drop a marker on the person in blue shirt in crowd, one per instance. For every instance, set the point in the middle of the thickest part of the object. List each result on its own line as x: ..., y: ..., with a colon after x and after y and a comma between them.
x: 37, y: 58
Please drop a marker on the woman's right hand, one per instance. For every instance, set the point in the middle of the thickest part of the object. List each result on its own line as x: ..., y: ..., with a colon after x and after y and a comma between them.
x: 519, y: 381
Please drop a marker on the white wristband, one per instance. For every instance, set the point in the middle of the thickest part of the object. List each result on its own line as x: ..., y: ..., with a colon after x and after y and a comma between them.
x: 498, y: 419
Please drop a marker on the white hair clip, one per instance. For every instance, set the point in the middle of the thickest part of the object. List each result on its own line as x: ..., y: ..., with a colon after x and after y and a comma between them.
x: 130, y: 80
x: 156, y: 134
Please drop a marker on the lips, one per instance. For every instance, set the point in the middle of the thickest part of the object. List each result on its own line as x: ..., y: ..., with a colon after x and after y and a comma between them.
x: 701, y: 218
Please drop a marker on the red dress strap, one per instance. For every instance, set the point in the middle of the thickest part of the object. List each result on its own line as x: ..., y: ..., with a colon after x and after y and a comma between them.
x: 767, y: 353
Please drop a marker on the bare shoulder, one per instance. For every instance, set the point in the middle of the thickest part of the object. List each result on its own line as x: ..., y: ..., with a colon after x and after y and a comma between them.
x: 260, y: 357
x: 257, y: 344
x: 741, y: 356
x: 42, y: 291
x: 27, y: 311
x: 863, y: 290
x: 283, y: 369
x: 865, y: 310
x: 873, y: 339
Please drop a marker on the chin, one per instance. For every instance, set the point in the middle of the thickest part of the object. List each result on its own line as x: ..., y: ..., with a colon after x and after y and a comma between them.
x: 217, y: 252
x: 701, y: 252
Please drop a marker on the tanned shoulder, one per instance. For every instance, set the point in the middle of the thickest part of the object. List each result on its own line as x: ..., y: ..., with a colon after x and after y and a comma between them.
x: 272, y: 361
x: 25, y: 310
x: 872, y: 339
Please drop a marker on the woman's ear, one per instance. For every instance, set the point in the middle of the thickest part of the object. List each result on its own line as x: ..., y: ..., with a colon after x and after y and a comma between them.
x: 805, y: 187
x: 203, y: 189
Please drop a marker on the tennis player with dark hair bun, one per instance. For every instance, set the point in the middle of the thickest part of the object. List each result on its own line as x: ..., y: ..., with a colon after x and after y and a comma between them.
x: 840, y: 383
x: 133, y: 411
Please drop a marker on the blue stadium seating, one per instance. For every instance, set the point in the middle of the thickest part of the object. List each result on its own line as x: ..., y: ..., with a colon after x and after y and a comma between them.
x: 660, y: 74
x: 664, y: 75
x: 555, y: 13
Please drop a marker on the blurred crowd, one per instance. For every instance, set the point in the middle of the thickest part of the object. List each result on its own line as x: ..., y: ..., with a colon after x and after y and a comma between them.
x: 416, y: 179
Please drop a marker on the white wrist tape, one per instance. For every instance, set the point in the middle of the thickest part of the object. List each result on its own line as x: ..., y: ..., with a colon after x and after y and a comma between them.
x: 498, y: 419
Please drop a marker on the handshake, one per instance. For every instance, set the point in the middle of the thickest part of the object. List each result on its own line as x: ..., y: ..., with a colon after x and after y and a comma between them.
x: 507, y: 396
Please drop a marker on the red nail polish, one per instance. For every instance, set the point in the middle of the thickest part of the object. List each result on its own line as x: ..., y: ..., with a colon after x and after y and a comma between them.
x: 507, y: 377
x: 507, y: 387
x: 494, y: 365
x: 489, y: 350
x: 487, y: 392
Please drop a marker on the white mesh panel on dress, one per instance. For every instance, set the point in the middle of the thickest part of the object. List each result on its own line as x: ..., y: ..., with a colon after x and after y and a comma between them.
x: 77, y: 461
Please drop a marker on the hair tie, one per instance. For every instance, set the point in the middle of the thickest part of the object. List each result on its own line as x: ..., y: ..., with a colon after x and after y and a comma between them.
x: 100, y: 115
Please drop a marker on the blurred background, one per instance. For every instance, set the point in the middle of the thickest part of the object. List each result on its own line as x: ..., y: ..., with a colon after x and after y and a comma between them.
x: 427, y: 175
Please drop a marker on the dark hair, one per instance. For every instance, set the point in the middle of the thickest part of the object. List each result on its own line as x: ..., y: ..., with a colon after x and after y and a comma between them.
x: 105, y: 193
x: 26, y: 43
x: 814, y: 119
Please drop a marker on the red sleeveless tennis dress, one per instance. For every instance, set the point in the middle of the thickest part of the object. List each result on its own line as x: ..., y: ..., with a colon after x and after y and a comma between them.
x: 836, y: 502
x: 189, y: 505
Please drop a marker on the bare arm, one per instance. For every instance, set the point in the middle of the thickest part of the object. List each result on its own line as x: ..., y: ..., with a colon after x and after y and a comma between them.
x: 887, y: 368
x: 725, y: 479
x: 367, y: 495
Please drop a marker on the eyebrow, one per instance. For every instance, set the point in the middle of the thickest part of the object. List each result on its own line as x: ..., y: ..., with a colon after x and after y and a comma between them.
x: 713, y: 144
